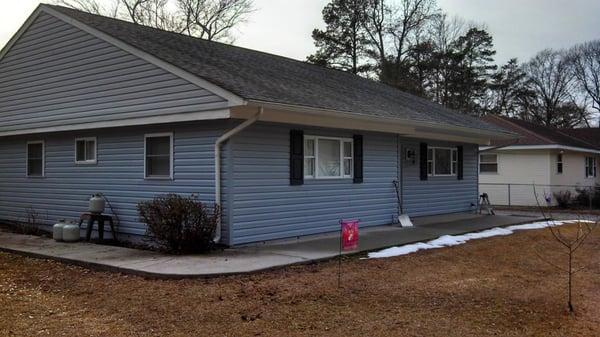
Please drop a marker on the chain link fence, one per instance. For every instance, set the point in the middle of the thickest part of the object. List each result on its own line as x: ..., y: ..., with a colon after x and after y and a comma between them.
x: 547, y: 195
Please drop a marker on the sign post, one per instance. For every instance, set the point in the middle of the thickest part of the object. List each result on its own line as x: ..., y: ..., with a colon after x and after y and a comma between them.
x: 348, y: 241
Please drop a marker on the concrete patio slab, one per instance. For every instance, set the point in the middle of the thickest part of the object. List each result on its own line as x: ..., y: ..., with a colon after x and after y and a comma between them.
x: 245, y: 259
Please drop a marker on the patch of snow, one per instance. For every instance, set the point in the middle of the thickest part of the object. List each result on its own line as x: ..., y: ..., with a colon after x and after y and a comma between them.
x: 454, y: 240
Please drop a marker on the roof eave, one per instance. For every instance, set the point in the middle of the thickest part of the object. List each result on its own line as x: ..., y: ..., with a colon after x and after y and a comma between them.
x: 545, y: 147
x: 417, y: 126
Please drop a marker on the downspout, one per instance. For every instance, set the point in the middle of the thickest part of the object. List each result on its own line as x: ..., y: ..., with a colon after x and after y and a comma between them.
x: 218, y: 143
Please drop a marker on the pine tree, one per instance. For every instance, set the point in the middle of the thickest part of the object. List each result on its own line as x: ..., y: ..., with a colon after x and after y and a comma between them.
x: 342, y: 45
x: 471, y: 59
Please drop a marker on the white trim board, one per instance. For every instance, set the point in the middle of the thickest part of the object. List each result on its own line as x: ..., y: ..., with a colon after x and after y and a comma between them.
x: 33, y: 142
x: 171, y: 159
x: 85, y: 140
x: 20, y: 32
x: 183, y: 117
x: 541, y: 147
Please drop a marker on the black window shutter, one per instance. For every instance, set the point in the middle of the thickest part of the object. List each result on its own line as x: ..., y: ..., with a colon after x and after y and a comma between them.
x: 459, y: 162
x: 423, y: 160
x: 296, y: 157
x: 358, y: 159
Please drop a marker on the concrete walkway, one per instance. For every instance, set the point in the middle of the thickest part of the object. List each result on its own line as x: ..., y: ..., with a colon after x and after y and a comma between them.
x: 245, y: 259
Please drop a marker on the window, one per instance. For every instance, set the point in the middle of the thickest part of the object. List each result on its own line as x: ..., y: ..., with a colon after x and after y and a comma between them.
x: 85, y: 151
x: 559, y: 163
x: 441, y: 161
x: 326, y: 157
x: 159, y: 156
x: 35, y: 159
x: 590, y: 167
x: 309, y: 157
x: 488, y: 163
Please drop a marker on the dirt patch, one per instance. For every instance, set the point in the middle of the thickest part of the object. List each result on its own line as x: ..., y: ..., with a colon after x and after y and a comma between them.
x: 495, y: 286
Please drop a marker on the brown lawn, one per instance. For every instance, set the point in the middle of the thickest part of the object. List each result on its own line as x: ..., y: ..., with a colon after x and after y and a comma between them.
x: 487, y: 287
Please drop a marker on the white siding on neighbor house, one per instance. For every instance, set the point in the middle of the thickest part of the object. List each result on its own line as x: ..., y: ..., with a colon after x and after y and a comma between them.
x: 573, y: 169
x: 523, y: 168
x: 57, y: 75
x: 65, y: 189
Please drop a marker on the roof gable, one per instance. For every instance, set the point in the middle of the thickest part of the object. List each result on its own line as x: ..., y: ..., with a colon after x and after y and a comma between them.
x: 57, y: 77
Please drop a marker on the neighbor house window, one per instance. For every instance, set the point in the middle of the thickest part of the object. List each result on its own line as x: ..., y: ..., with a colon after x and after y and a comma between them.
x: 327, y: 157
x: 441, y: 161
x: 159, y: 156
x: 35, y: 159
x: 559, y: 163
x: 590, y: 167
x: 85, y: 150
x: 488, y: 163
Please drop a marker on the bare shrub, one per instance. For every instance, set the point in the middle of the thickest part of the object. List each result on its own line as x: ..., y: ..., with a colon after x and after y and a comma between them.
x: 564, y: 199
x: 180, y: 224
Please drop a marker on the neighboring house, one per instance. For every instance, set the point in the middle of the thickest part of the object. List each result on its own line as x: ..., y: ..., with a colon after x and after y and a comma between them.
x: 92, y: 104
x: 556, y: 160
x: 588, y: 135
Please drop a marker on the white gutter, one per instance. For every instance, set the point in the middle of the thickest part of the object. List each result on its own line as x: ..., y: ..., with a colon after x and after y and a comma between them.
x: 436, y: 127
x: 542, y: 147
x: 218, y: 144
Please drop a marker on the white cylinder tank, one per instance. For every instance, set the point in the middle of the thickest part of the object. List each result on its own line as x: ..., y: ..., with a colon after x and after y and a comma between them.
x: 70, y: 232
x: 97, y: 203
x: 57, y: 230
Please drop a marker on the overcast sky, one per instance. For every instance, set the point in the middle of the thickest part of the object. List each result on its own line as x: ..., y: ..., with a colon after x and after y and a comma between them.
x: 520, y: 27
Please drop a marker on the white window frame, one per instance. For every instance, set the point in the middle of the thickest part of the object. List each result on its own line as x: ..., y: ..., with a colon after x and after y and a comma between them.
x: 155, y: 135
x: 587, y: 168
x: 43, y: 158
x: 453, y: 163
x: 488, y: 162
x: 342, y: 141
x: 87, y: 162
x: 560, y: 160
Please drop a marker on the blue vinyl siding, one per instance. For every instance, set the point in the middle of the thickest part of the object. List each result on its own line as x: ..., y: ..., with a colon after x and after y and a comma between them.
x: 119, y: 174
x: 259, y: 203
x: 440, y: 195
x: 58, y: 75
x: 266, y: 207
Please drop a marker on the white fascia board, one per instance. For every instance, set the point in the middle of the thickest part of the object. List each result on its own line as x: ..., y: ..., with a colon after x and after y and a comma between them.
x: 232, y: 98
x: 20, y: 32
x: 404, y: 127
x: 182, y: 117
x: 542, y: 147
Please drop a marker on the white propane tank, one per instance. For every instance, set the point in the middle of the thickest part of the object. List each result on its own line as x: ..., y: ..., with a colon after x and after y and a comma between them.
x: 57, y: 230
x: 70, y: 232
x: 97, y: 204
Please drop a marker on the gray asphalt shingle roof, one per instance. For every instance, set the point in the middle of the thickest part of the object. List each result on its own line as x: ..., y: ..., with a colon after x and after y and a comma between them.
x: 259, y: 76
x: 536, y: 134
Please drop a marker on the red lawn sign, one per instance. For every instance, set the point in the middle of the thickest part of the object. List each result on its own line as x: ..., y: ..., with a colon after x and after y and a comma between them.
x: 349, y: 235
x: 348, y: 241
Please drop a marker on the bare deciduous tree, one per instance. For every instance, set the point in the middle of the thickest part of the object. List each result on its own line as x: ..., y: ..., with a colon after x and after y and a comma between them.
x: 408, y: 17
x: 108, y: 8
x: 586, y: 69
x: 208, y: 19
x: 571, y: 241
x: 554, y: 86
x: 214, y: 19
x: 161, y: 14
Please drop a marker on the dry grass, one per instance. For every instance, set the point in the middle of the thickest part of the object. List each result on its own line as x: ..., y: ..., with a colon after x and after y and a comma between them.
x: 495, y: 286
